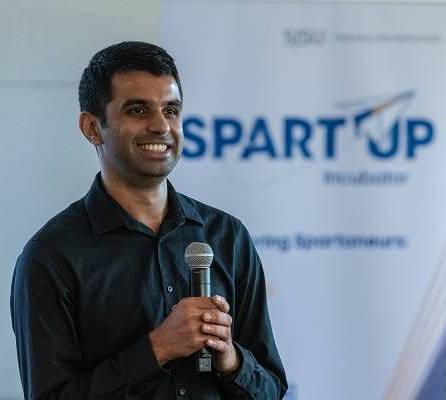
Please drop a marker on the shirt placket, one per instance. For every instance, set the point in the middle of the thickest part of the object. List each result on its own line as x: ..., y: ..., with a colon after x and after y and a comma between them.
x: 172, y: 293
x: 169, y: 288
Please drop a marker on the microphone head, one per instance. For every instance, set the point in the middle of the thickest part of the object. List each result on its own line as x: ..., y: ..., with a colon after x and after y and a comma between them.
x: 198, y: 254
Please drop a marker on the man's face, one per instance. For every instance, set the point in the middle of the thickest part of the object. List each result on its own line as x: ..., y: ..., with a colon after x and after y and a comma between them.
x: 143, y: 137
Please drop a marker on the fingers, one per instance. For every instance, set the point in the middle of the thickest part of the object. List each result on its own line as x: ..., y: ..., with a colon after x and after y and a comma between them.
x: 206, y: 303
x: 190, y: 324
x: 218, y: 318
x: 217, y: 324
x: 221, y: 303
x: 199, y: 303
x: 219, y: 331
x: 218, y: 345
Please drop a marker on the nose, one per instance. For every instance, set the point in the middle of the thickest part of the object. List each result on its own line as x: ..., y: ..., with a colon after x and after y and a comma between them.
x: 158, y: 123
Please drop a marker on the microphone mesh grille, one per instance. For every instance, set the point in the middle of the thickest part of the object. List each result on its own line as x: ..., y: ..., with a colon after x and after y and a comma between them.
x: 198, y: 254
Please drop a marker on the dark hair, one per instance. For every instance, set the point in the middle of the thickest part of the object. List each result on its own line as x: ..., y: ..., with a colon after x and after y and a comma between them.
x: 95, y: 85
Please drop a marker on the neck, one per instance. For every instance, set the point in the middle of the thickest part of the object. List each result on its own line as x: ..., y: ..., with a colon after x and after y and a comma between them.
x: 146, y: 203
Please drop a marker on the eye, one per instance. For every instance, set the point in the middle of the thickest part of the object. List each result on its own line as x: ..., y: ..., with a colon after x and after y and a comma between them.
x: 136, y: 110
x: 172, y: 112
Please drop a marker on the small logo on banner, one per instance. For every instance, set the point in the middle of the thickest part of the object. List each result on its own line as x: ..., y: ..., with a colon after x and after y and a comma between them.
x: 303, y: 37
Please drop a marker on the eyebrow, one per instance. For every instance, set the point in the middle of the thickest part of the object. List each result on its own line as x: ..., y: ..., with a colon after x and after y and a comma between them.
x: 143, y: 102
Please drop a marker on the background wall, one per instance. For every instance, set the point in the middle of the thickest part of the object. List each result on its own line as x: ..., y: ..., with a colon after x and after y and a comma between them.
x: 45, y: 163
x: 348, y: 222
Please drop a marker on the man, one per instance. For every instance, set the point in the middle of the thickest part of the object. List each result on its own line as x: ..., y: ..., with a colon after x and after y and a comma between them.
x: 99, y: 301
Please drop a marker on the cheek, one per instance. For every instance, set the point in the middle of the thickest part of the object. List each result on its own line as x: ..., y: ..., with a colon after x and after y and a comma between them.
x: 178, y: 129
x: 180, y: 141
x: 117, y: 142
x: 123, y: 134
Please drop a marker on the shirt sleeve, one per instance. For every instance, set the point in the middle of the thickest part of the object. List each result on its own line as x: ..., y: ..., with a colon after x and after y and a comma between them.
x: 261, y: 375
x: 43, y: 310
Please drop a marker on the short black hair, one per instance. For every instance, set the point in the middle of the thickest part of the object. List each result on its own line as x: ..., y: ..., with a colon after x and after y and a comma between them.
x: 95, y: 84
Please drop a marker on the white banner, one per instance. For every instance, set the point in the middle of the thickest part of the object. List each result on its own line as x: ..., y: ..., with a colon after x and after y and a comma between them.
x: 321, y: 127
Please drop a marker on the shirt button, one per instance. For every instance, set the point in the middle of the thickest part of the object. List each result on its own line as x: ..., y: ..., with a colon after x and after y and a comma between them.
x: 182, y: 391
x: 170, y: 289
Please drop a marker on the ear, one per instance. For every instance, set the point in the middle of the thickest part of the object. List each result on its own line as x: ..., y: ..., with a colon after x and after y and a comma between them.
x: 89, y: 125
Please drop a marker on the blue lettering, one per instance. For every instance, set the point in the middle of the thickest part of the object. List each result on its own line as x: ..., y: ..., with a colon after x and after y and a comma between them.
x: 290, y: 140
x: 359, y: 118
x: 229, y: 135
x: 413, y: 139
x: 190, y: 135
x: 330, y: 134
x: 222, y: 140
x: 259, y: 133
x: 393, y: 135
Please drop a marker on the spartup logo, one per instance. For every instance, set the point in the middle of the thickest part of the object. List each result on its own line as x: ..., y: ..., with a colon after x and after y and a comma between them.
x: 380, y: 123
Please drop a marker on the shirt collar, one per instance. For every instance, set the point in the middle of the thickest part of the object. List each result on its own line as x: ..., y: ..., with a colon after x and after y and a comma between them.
x: 188, y: 210
x: 106, y: 214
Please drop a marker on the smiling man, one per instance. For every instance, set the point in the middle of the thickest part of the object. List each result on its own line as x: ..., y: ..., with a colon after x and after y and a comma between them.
x: 99, y: 300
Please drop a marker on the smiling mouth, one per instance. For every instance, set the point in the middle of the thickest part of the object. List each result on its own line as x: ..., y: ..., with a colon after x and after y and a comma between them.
x: 153, y: 147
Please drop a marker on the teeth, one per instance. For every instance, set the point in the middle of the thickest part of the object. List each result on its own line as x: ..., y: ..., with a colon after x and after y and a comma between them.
x: 156, y: 147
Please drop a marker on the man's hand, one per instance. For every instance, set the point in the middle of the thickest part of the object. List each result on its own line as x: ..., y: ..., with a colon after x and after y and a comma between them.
x: 194, y: 323
x: 218, y: 323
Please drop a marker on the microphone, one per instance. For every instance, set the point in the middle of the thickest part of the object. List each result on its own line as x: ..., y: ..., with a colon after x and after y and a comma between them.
x: 199, y: 258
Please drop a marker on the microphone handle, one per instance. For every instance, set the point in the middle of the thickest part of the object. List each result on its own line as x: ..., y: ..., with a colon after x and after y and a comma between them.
x: 200, y: 282
x: 200, y: 286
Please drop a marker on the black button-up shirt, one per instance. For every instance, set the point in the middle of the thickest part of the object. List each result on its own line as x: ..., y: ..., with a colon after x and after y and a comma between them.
x: 93, y: 282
